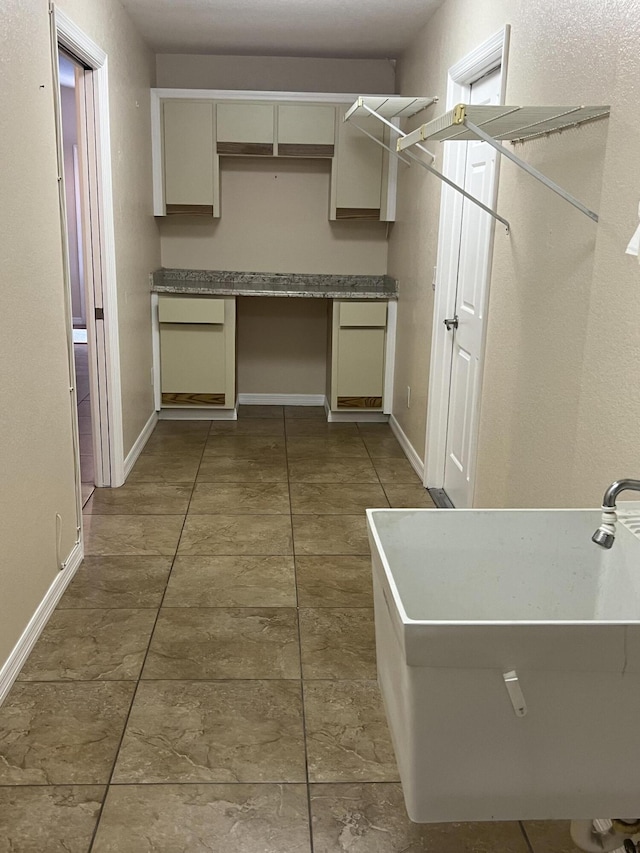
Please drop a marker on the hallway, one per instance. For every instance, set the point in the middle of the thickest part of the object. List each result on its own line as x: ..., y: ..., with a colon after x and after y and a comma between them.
x: 208, y: 681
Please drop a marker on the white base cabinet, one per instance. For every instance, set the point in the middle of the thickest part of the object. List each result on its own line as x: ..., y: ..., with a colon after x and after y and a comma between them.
x: 358, y: 343
x: 197, y: 351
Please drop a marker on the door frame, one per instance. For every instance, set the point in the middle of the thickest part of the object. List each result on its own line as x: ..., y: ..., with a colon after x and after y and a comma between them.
x: 99, y: 245
x: 487, y: 57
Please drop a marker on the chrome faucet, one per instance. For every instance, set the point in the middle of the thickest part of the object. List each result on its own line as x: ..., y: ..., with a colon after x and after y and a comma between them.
x: 606, y: 533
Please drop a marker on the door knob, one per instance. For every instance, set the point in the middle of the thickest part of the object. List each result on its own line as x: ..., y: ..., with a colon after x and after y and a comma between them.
x: 451, y: 323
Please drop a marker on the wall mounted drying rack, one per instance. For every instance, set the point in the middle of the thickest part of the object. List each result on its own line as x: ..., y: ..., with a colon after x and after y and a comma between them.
x: 488, y: 123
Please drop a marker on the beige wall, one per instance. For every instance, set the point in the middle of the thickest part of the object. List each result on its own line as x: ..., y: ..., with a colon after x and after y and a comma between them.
x: 36, y: 452
x: 282, y: 345
x: 274, y: 219
x: 131, y: 74
x: 275, y: 73
x: 560, y: 400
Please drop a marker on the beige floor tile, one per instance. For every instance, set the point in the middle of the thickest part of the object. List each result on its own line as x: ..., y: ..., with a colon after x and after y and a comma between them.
x: 374, y: 428
x: 164, y: 468
x: 223, y: 731
x: 326, y: 446
x: 87, y: 468
x: 550, y: 836
x: 332, y: 470
x: 318, y: 427
x: 408, y: 496
x: 86, y: 645
x: 240, y: 499
x: 250, y: 446
x: 62, y: 734
x: 305, y: 412
x: 108, y: 582
x: 180, y: 427
x: 248, y: 426
x: 141, y: 499
x: 185, y: 443
x: 226, y: 469
x: 334, y: 581
x: 373, y: 819
x: 395, y: 471
x: 231, y: 582
x: 49, y: 818
x: 186, y: 818
x: 337, y: 643
x: 330, y: 498
x: 206, y: 643
x: 330, y: 534
x: 383, y: 446
x: 258, y: 411
x: 347, y: 735
x: 257, y: 535
x: 132, y: 534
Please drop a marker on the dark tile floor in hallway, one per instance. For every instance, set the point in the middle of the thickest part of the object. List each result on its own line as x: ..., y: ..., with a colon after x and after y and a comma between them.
x: 208, y: 681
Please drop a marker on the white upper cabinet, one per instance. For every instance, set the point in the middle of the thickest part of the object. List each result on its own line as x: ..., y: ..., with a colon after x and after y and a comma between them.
x: 190, y: 134
x: 246, y: 129
x: 189, y: 180
x: 357, y: 184
x: 306, y: 130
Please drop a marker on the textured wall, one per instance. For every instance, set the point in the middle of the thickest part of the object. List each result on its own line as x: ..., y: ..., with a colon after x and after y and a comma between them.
x: 275, y: 73
x: 36, y: 451
x: 131, y: 74
x: 282, y: 345
x: 547, y: 436
x: 275, y: 218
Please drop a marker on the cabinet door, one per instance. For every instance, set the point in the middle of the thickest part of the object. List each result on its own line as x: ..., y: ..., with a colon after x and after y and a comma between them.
x: 245, y: 129
x: 197, y: 352
x: 357, y: 357
x: 306, y: 131
x: 357, y: 172
x: 188, y: 157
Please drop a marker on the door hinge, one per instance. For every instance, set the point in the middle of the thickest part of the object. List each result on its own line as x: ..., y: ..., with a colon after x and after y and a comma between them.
x: 99, y: 313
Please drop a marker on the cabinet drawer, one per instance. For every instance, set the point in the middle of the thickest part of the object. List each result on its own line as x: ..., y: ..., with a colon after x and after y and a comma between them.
x: 190, y: 309
x: 363, y: 313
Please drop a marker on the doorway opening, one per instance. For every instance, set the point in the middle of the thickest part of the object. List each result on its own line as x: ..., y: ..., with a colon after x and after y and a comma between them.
x: 465, y: 247
x: 87, y: 230
x: 70, y: 72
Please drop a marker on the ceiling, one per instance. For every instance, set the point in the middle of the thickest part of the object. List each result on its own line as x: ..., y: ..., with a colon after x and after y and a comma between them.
x: 333, y: 28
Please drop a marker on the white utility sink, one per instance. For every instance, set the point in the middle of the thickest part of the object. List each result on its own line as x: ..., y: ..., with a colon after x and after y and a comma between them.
x: 464, y: 598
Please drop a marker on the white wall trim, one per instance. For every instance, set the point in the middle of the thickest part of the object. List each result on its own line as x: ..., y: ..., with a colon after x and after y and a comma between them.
x: 139, y: 443
x: 78, y: 43
x: 195, y: 414
x: 281, y: 399
x: 247, y: 95
x: 487, y: 56
x: 14, y: 663
x: 409, y: 450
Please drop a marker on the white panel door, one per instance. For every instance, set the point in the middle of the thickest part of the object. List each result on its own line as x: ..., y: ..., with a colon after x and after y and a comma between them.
x: 467, y: 339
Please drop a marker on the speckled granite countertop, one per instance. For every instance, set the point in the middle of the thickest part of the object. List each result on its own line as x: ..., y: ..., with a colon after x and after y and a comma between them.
x: 224, y: 283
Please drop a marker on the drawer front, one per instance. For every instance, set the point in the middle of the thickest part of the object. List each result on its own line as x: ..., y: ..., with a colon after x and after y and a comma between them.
x: 190, y: 309
x: 363, y: 314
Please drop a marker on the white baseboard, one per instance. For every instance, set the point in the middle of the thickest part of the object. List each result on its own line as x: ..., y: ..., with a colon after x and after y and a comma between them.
x: 182, y: 414
x: 138, y: 446
x: 281, y: 399
x: 14, y: 663
x: 409, y: 450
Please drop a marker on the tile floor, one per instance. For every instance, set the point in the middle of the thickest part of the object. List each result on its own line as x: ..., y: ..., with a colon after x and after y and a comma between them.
x: 207, y: 682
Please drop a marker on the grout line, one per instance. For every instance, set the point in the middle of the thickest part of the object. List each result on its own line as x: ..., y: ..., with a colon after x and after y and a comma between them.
x: 139, y: 679
x: 304, y: 718
x: 526, y: 837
